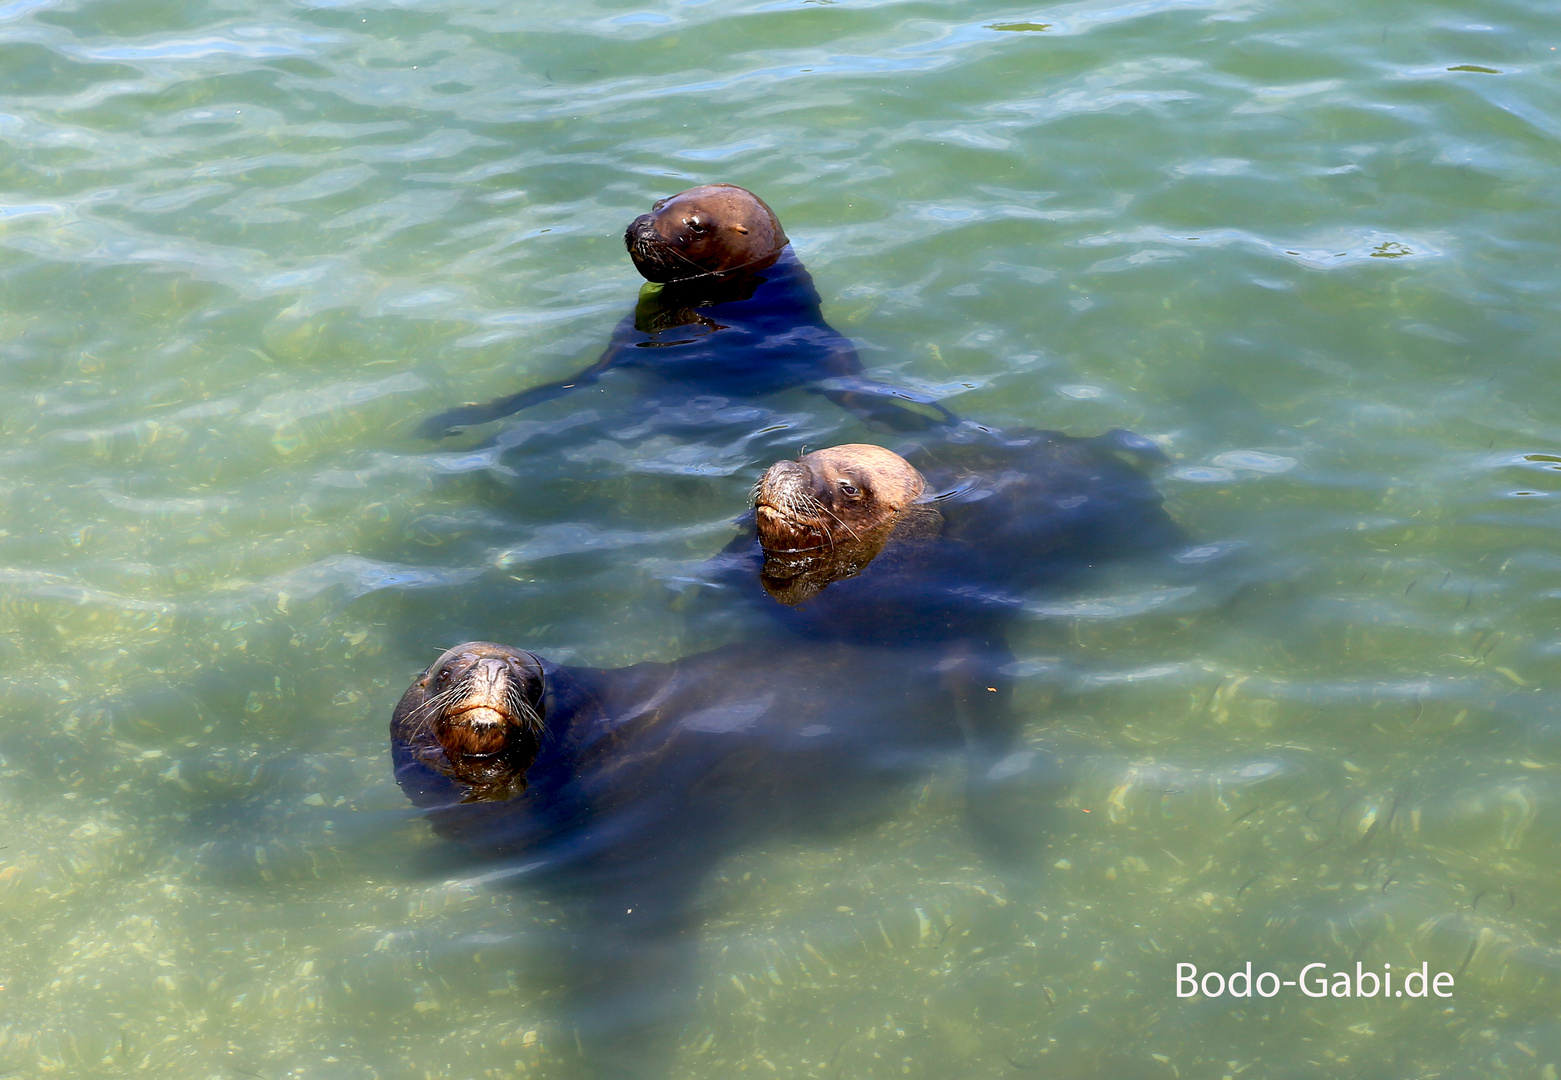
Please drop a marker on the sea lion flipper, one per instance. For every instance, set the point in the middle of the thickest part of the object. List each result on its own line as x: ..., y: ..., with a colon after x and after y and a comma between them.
x: 893, y: 407
x: 1130, y: 447
x: 452, y: 420
x: 1011, y: 788
x: 1012, y: 809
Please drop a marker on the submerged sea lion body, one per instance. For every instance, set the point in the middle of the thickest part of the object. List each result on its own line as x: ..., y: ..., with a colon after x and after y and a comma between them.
x: 993, y: 519
x: 732, y: 313
x: 639, y: 779
x: 594, y: 742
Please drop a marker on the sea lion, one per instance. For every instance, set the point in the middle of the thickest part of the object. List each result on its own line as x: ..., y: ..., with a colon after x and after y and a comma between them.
x: 731, y: 312
x: 639, y: 779
x: 859, y: 542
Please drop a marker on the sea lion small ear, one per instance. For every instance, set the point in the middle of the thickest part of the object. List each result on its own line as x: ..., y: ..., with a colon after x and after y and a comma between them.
x: 741, y: 228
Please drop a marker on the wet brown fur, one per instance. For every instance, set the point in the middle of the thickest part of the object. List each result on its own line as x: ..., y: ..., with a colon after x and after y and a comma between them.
x: 704, y: 232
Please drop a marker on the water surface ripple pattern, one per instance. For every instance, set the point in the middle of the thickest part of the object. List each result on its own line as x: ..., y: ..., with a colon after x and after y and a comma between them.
x: 246, y: 248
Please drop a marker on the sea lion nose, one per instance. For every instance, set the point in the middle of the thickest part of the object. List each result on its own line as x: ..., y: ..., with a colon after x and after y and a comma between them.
x: 641, y: 228
x: 491, y: 673
x: 782, y: 479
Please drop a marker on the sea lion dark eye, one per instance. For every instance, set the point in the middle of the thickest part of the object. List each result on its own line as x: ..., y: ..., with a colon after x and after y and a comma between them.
x: 849, y: 489
x: 695, y: 225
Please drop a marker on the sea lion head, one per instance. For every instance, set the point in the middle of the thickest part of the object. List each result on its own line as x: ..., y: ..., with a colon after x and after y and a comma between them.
x: 828, y: 497
x: 476, y: 715
x: 704, y: 232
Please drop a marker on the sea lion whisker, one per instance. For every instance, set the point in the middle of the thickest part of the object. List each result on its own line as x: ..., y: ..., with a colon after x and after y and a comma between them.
x: 805, y: 503
x: 829, y: 537
x: 796, y: 504
x: 664, y: 256
x: 675, y: 253
x: 721, y: 273
x: 443, y: 697
x: 804, y: 512
x: 643, y: 250
x: 658, y: 252
x: 450, y: 695
x: 655, y: 252
x: 522, y: 710
x: 842, y: 524
x: 433, y: 707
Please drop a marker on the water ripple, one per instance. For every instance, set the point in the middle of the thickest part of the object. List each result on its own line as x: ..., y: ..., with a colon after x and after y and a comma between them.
x: 245, y: 251
x: 250, y: 42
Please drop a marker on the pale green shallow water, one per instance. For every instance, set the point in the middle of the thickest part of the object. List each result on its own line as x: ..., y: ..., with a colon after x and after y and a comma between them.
x: 1308, y: 248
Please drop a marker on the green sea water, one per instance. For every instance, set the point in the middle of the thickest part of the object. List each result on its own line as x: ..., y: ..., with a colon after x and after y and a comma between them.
x: 1309, y: 249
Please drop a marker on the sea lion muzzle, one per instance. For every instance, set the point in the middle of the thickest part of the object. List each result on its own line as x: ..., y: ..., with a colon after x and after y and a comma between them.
x: 789, y: 514
x: 641, y: 233
x: 480, y: 720
x: 653, y: 257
